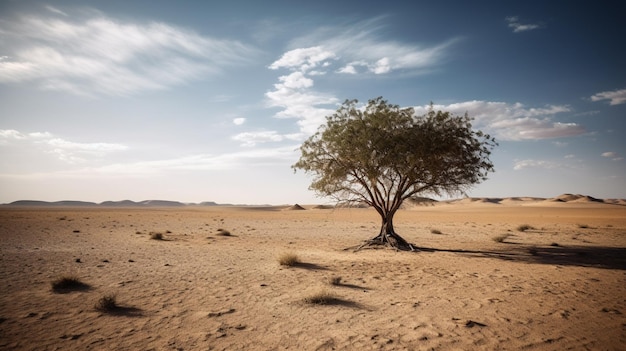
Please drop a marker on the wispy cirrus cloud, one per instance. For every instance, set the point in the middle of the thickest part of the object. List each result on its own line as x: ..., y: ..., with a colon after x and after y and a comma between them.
x: 90, y: 53
x: 615, y: 97
x: 513, y: 121
x: 91, y: 159
x: 357, y: 49
x: 519, y: 27
x: 350, y: 49
x: 65, y: 150
x: 260, y: 137
x: 525, y: 164
x: 260, y: 157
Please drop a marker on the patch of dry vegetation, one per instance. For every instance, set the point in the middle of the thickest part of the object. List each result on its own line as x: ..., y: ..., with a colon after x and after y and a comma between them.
x: 501, y: 238
x: 223, y: 232
x: 68, y: 283
x: 156, y: 236
x: 288, y: 259
x: 322, y: 297
x: 524, y: 227
x: 107, y: 304
x: 334, y: 280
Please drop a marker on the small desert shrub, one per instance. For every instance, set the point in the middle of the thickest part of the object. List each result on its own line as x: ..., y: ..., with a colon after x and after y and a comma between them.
x: 322, y: 297
x: 223, y: 232
x: 501, y: 238
x: 68, y: 283
x: 156, y: 236
x: 435, y: 231
x: 288, y: 259
x: 107, y: 303
x: 524, y: 227
x: 335, y: 280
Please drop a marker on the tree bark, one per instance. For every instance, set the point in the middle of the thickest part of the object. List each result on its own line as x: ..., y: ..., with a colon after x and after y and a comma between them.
x: 388, y: 236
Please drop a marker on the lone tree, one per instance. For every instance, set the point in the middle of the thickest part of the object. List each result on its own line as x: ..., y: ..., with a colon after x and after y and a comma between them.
x: 385, y: 154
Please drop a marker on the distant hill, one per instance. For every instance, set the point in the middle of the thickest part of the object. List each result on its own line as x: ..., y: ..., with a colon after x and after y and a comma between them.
x: 67, y: 203
x: 123, y: 203
x: 412, y: 202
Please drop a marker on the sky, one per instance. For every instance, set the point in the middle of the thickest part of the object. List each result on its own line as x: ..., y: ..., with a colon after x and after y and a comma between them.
x: 197, y: 101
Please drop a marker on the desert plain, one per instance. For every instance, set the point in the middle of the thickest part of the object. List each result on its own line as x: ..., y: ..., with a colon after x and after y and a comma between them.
x: 489, y: 274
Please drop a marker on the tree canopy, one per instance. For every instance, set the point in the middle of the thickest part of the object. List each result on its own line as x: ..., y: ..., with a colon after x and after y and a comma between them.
x: 382, y: 155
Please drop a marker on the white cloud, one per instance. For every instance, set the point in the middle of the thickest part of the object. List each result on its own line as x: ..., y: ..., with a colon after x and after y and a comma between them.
x: 55, y: 10
x: 609, y: 154
x: 524, y: 164
x: 348, y: 69
x: 519, y: 27
x: 359, y: 45
x: 253, y: 138
x: 616, y: 97
x: 508, y: 121
x: 612, y: 155
x: 197, y: 162
x: 294, y: 95
x: 239, y: 121
x: 64, y: 150
x: 304, y: 59
x: 356, y: 49
x: 101, y: 55
x: 295, y: 80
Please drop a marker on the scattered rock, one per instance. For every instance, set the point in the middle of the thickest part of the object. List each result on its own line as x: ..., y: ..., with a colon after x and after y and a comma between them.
x: 470, y: 324
x: 220, y: 313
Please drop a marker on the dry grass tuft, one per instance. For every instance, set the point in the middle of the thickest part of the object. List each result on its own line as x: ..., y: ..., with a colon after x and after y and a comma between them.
x: 68, y: 283
x: 288, y: 259
x: 156, y: 235
x: 524, y: 227
x: 322, y: 297
x: 501, y: 238
x: 223, y: 232
x: 107, y: 303
x: 334, y: 280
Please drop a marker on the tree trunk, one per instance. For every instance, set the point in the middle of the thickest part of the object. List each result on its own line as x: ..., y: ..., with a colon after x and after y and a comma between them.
x: 388, y: 236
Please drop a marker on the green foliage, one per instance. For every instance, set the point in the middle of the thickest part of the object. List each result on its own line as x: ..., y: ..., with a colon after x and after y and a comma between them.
x: 384, y: 154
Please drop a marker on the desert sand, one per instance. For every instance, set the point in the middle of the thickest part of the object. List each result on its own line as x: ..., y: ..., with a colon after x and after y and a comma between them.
x: 477, y: 282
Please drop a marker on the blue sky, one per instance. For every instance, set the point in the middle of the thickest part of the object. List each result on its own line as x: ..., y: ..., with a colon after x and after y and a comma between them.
x: 208, y: 101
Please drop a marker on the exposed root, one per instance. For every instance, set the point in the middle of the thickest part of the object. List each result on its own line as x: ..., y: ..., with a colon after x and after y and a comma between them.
x: 393, y: 240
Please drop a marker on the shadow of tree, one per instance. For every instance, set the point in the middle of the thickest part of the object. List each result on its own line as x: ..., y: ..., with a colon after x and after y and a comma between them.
x: 337, y: 301
x: 352, y: 286
x: 582, y: 256
x: 311, y: 266
x: 125, y: 311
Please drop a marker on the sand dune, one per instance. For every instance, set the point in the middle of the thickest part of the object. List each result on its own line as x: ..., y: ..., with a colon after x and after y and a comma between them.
x: 476, y: 283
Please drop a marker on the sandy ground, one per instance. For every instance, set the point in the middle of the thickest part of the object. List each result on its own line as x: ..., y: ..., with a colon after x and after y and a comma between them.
x: 559, y: 286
